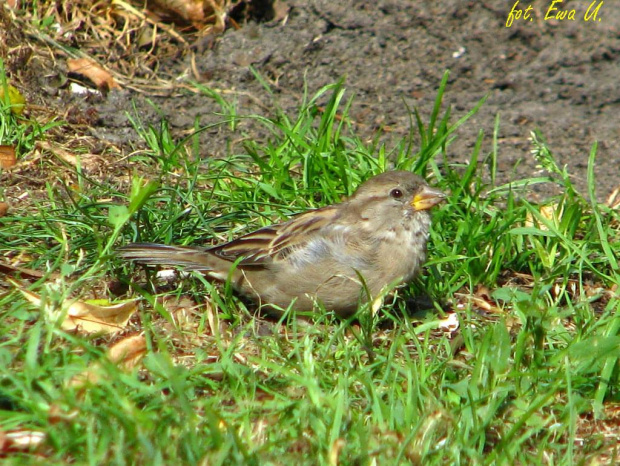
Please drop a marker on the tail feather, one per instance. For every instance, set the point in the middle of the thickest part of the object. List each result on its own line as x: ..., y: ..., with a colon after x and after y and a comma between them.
x: 161, y: 254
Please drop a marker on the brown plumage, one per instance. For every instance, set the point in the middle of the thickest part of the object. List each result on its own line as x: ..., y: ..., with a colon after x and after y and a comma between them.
x: 379, y: 234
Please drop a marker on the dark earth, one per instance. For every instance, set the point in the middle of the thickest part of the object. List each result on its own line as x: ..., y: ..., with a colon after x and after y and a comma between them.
x: 558, y: 76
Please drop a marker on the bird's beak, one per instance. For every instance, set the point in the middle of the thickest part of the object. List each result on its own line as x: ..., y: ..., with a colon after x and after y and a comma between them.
x: 427, y: 198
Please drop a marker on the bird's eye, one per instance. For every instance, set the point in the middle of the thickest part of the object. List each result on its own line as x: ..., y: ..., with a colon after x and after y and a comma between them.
x: 396, y: 193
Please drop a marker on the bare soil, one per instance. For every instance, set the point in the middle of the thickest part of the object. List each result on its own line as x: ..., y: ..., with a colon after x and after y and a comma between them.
x: 559, y: 76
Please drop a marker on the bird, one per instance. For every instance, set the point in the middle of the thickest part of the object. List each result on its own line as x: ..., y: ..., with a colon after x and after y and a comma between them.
x: 333, y: 258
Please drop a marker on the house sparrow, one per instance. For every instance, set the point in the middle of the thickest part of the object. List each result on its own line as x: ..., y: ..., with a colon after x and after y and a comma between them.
x: 333, y: 255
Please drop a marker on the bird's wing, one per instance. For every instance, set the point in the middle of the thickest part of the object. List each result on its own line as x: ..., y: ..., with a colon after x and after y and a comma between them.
x: 276, y: 242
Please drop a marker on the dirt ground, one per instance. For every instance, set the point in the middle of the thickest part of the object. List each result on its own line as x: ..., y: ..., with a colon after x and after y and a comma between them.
x: 559, y: 76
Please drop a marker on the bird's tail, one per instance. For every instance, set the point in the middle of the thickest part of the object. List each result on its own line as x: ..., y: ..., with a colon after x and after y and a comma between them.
x: 160, y: 254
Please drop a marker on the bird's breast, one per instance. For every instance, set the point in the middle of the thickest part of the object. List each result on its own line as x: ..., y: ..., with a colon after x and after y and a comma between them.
x: 401, y: 249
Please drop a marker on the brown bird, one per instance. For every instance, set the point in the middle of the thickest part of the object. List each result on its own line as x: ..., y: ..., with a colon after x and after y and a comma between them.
x: 333, y: 255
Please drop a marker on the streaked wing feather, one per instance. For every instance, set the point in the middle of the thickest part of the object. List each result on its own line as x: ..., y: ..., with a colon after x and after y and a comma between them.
x: 274, y: 242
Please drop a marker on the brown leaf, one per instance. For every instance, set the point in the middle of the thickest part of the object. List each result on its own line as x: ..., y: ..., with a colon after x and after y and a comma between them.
x: 87, y: 317
x: 87, y: 161
x: 551, y: 212
x: 7, y: 157
x: 90, y: 318
x: 4, y: 208
x: 58, y: 414
x: 92, y: 71
x: 613, y: 201
x: 481, y: 300
x: 126, y: 354
x: 191, y: 11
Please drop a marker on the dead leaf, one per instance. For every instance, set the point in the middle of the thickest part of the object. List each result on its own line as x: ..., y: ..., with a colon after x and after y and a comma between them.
x: 90, y: 318
x: 4, y: 208
x: 87, y: 161
x: 7, y: 157
x: 87, y: 317
x: 480, y: 300
x: 126, y: 354
x: 201, y: 14
x: 613, y: 201
x: 191, y: 11
x: 180, y: 309
x: 551, y: 212
x: 58, y: 414
x: 92, y: 71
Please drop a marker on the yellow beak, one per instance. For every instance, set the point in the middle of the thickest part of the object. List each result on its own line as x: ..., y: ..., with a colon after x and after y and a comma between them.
x: 427, y: 198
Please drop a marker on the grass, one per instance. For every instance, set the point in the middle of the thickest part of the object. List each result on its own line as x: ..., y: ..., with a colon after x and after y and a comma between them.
x: 530, y: 373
